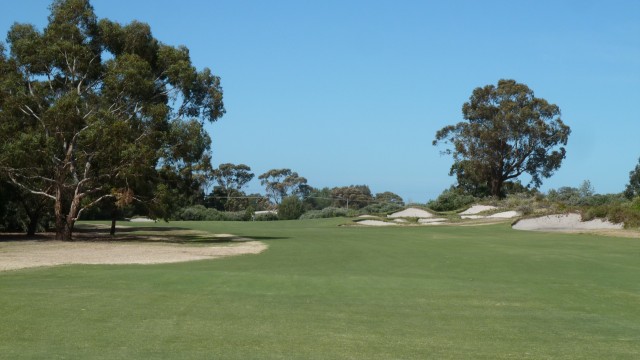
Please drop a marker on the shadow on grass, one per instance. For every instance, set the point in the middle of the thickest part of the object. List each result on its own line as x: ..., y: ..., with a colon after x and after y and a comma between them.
x: 143, y: 234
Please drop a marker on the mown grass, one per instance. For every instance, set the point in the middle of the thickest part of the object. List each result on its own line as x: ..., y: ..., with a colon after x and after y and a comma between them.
x: 327, y: 292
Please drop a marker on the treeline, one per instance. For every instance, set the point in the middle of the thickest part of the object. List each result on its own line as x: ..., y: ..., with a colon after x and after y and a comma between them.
x: 287, y: 196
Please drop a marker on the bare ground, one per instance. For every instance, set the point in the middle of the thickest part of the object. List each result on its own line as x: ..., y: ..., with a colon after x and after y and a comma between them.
x: 95, y: 246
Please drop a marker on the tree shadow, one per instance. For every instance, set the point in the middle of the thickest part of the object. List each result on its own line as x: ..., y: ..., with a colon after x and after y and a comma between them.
x: 142, y: 234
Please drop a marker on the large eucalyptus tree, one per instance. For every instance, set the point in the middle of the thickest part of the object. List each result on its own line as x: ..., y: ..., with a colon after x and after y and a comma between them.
x: 93, y: 110
x: 507, y: 132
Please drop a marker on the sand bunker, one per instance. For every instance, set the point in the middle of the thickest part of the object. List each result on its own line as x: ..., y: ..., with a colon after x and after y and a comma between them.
x: 565, y: 222
x: 411, y: 213
x: 432, y: 221
x: 376, y: 223
x: 504, y: 215
x: 26, y: 254
x: 476, y: 209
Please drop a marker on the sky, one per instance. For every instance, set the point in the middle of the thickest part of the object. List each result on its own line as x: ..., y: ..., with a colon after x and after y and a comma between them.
x: 353, y: 92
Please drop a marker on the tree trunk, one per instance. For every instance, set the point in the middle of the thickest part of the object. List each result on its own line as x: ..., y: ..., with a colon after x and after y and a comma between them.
x: 496, y: 187
x: 65, y: 222
x: 114, y: 218
x: 33, y: 225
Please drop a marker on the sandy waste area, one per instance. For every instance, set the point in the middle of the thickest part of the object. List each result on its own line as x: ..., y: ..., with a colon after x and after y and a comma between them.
x: 31, y: 253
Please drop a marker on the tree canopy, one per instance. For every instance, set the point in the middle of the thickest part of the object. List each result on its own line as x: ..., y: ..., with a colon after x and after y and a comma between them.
x: 280, y: 183
x: 507, y: 132
x: 93, y: 110
x: 633, y: 187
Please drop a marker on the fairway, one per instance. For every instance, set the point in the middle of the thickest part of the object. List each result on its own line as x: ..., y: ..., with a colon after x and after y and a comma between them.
x: 324, y: 291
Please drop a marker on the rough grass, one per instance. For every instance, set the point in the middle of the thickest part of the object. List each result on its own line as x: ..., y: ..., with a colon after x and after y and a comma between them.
x: 328, y: 292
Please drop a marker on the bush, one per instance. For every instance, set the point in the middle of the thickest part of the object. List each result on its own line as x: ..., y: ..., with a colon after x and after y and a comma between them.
x: 201, y: 213
x: 627, y: 213
x: 266, y: 217
x: 451, y: 199
x: 290, y: 208
x: 329, y: 212
x: 381, y: 208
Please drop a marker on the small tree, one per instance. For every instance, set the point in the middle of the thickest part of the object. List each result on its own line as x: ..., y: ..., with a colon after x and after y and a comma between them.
x: 507, y: 132
x: 633, y: 187
x: 291, y: 208
x: 389, y: 197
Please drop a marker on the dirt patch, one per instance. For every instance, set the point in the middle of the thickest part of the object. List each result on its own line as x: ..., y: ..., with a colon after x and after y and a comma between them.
x: 127, y: 249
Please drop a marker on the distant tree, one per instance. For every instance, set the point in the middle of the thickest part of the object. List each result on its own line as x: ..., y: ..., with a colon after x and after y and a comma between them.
x: 389, y: 197
x: 352, y: 197
x: 91, y: 109
x: 633, y: 187
x: 231, y: 178
x: 280, y: 183
x: 507, y: 132
x: 318, y: 199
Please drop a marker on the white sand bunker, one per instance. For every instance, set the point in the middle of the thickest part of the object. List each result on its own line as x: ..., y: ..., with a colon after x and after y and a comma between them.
x: 376, y: 223
x: 565, y: 222
x: 432, y: 221
x: 501, y: 215
x: 411, y: 213
x: 26, y: 254
x: 476, y: 209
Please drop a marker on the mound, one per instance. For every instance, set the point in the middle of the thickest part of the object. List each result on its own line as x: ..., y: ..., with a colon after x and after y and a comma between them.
x: 566, y: 222
x: 411, y: 212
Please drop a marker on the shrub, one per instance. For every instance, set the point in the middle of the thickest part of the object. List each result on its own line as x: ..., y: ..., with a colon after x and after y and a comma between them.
x: 381, y: 208
x: 266, y: 217
x: 290, y: 208
x: 450, y: 200
x: 329, y: 212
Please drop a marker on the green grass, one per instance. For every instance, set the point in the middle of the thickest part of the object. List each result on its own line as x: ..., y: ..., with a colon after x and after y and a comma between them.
x: 326, y: 292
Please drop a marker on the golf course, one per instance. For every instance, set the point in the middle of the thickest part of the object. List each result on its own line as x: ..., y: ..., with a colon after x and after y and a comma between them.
x: 325, y: 289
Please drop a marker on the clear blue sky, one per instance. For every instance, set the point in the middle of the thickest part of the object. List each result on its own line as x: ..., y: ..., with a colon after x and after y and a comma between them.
x: 352, y: 92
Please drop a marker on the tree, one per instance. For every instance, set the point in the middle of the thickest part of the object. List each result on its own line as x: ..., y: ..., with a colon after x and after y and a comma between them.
x: 633, y: 187
x: 291, y: 208
x: 231, y: 178
x: 92, y: 109
x: 318, y: 199
x: 389, y: 197
x: 280, y: 183
x: 353, y: 196
x: 507, y: 132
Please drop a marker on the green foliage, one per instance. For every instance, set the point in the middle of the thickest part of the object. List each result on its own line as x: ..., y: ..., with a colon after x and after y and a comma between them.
x: 633, y: 187
x: 328, y: 212
x: 269, y: 216
x: 110, y: 110
x: 621, y: 213
x: 290, y: 208
x: 450, y: 200
x: 318, y: 199
x: 352, y: 197
x: 508, y: 132
x: 280, y: 183
x: 389, y: 197
x: 201, y: 213
x: 381, y: 208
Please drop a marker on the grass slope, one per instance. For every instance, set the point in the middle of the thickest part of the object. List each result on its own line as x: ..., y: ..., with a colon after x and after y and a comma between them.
x: 326, y: 292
